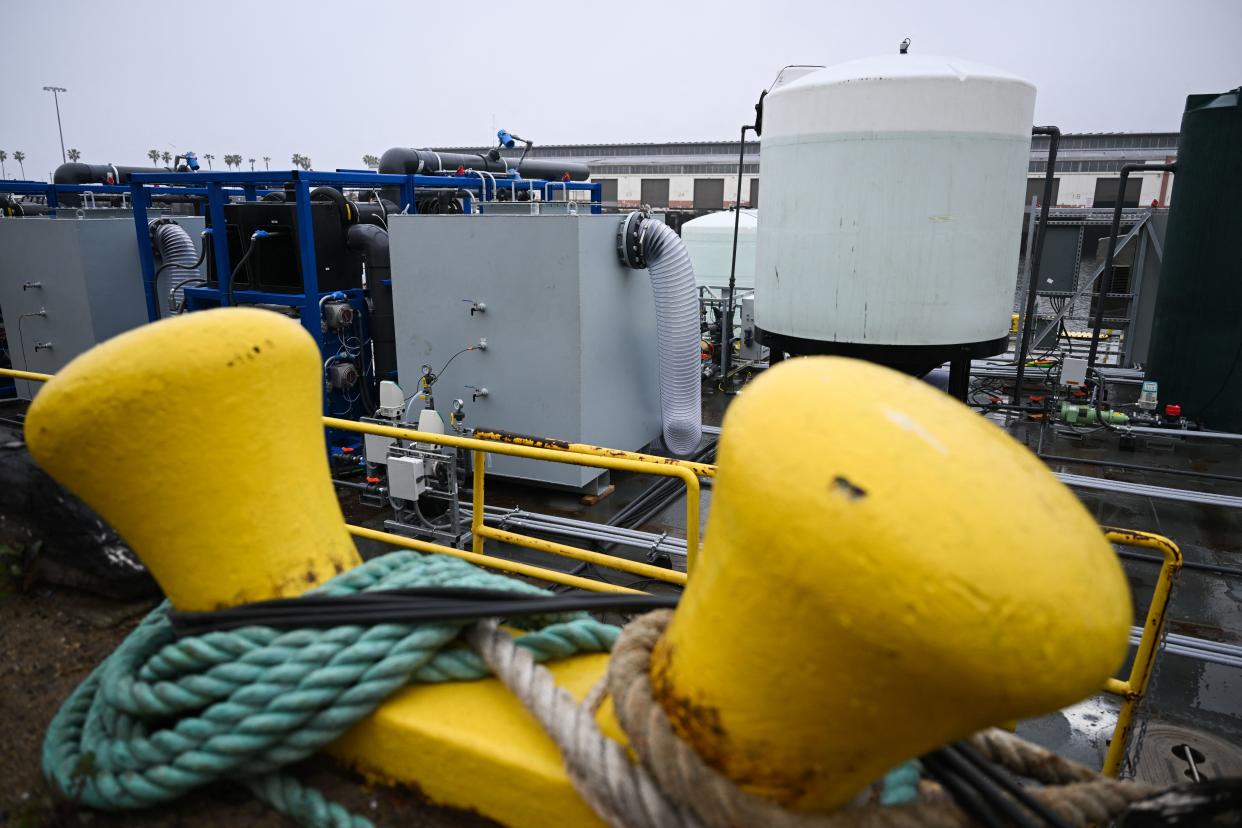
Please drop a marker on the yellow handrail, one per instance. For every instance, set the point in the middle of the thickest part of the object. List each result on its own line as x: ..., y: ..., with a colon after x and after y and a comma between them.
x: 1132, y: 689
x: 580, y: 454
x: 24, y: 375
x: 701, y: 469
x: 690, y: 478
x: 488, y: 561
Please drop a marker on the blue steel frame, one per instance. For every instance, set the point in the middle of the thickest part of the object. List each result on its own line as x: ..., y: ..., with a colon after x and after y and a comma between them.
x: 143, y: 185
x: 220, y: 187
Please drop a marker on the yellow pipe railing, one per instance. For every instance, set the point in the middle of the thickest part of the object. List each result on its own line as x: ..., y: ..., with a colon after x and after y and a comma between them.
x: 1134, y: 686
x: 479, y: 531
x: 24, y: 375
x: 488, y: 561
x: 554, y: 548
x: 580, y: 454
x: 701, y: 469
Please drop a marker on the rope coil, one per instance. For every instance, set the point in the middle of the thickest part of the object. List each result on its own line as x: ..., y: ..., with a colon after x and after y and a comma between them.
x: 162, y: 716
x: 1076, y: 793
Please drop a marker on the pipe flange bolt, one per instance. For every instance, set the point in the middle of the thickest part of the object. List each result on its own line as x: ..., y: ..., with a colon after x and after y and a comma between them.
x: 630, y: 241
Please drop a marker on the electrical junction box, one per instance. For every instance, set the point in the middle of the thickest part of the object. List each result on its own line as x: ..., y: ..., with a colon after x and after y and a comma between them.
x: 571, y: 333
x: 406, y: 478
x: 1073, y: 371
x: 750, y: 347
x: 375, y: 447
x: 70, y: 283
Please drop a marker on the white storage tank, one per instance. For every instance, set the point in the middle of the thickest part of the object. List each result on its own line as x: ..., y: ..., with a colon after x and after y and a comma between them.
x: 709, y: 241
x: 892, y: 212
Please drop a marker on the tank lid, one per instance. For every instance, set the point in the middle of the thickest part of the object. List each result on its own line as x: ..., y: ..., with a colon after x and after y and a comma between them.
x: 724, y: 218
x: 902, y: 67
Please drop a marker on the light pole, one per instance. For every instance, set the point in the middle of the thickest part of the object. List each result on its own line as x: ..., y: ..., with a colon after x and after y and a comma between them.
x: 56, y: 90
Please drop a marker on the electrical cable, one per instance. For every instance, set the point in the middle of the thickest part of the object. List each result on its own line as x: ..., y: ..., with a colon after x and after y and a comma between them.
x: 406, y: 606
x: 968, y: 799
x: 181, y: 286
x: 228, y: 291
x: 201, y: 254
x: 1196, y: 566
x: 382, y: 206
x: 982, y: 789
x: 21, y: 341
x: 429, y: 378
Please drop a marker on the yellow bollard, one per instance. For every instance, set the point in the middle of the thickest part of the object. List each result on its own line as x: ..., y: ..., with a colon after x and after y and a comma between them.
x: 871, y: 587
x: 862, y: 596
x: 199, y: 440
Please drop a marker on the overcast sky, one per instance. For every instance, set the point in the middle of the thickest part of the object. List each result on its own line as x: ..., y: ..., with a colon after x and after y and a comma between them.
x: 335, y: 80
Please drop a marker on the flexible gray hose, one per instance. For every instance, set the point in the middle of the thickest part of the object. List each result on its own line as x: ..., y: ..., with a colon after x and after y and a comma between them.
x: 175, y: 247
x: 677, y: 331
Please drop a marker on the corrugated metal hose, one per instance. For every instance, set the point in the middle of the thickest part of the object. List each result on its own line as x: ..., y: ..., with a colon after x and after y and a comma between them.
x: 178, y: 255
x: 677, y: 331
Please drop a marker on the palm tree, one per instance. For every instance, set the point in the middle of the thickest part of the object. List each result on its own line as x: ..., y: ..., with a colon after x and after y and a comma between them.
x: 167, y: 156
x: 4, y: 156
x: 73, y: 154
x: 251, y: 165
x: 371, y: 161
x: 19, y: 157
x: 297, y: 159
x: 306, y: 162
x: 237, y: 160
x: 208, y: 157
x: 266, y: 159
x: 154, y: 155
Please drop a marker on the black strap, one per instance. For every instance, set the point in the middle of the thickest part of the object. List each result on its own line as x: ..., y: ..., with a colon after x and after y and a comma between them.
x: 412, y: 605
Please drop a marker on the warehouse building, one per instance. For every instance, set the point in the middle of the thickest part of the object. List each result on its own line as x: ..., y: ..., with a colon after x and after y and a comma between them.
x: 702, y: 175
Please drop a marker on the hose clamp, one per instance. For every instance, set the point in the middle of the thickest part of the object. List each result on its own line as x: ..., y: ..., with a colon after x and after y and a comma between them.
x: 504, y: 519
x: 653, y: 552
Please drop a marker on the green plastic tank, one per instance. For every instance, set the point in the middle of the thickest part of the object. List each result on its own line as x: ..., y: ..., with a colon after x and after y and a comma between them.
x: 1196, y: 344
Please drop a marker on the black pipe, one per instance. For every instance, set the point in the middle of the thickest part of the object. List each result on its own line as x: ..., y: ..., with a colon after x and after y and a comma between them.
x: 1036, y: 255
x: 406, y: 161
x: 15, y: 208
x: 959, y: 377
x: 370, y: 243
x: 726, y: 324
x: 343, y: 205
x: 78, y: 173
x: 1056, y: 458
x: 1103, y: 286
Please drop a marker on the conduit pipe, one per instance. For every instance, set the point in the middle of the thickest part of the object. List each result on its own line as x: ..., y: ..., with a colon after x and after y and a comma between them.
x: 653, y: 245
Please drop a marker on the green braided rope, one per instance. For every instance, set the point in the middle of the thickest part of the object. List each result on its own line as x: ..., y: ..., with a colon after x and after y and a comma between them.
x: 161, y: 716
